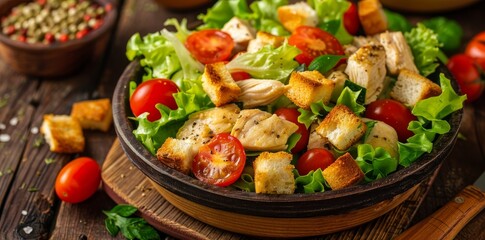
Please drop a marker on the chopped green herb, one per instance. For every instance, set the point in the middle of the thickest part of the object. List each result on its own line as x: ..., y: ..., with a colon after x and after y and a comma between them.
x: 33, y: 189
x: 3, y: 102
x: 131, y: 227
x: 50, y: 160
x: 1, y: 173
x: 39, y: 141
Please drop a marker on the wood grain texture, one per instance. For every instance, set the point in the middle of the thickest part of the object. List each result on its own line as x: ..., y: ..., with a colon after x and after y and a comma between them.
x: 126, y: 184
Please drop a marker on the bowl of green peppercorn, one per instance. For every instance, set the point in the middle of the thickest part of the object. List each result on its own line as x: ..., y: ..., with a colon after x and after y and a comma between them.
x: 52, y: 38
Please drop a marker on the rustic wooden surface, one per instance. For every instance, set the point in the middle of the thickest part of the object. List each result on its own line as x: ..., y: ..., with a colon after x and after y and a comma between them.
x: 26, y: 181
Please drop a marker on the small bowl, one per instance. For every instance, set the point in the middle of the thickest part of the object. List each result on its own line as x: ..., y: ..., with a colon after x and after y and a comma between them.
x: 294, y: 215
x: 57, y: 59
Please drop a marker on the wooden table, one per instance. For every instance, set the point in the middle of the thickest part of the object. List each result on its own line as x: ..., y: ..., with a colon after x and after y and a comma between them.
x: 27, y: 182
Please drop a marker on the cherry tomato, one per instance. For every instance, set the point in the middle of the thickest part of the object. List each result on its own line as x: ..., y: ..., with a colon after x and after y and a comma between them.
x: 292, y: 114
x: 314, y: 42
x: 394, y: 113
x: 467, y: 73
x: 210, y: 46
x: 78, y: 180
x: 351, y: 19
x: 149, y: 93
x: 314, y: 159
x: 220, y: 161
x: 239, y: 76
x: 476, y: 47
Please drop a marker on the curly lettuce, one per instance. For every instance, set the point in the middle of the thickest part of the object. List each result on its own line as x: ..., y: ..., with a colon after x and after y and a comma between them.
x: 431, y: 113
x: 311, y: 183
x: 265, y: 17
x: 425, y: 46
x: 375, y: 163
x: 222, y: 12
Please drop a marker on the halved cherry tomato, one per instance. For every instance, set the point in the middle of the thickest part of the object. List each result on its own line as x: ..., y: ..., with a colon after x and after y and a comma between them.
x: 476, y: 47
x: 351, y: 19
x: 467, y: 73
x: 394, y: 113
x: 220, y: 161
x: 314, y: 159
x: 210, y: 45
x: 239, y: 76
x: 78, y: 180
x: 314, y: 42
x: 149, y: 93
x: 292, y: 114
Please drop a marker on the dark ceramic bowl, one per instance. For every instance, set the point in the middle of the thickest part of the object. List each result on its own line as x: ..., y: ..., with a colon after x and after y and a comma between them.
x: 283, y: 206
x: 55, y: 59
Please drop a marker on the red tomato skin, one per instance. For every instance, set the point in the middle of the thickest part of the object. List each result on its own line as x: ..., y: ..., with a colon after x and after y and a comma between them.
x: 292, y: 114
x: 394, y: 113
x: 466, y: 72
x: 240, y: 76
x: 233, y: 159
x: 78, y: 180
x: 210, y: 45
x: 314, y: 159
x: 149, y: 93
x: 476, y: 47
x: 351, y: 19
x: 314, y: 42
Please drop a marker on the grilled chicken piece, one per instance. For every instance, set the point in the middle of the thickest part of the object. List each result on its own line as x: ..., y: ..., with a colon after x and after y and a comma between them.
x: 202, y: 126
x: 384, y: 136
x: 240, y: 31
x: 262, y: 131
x: 259, y: 92
x: 367, y: 68
x: 317, y: 141
x: 398, y: 53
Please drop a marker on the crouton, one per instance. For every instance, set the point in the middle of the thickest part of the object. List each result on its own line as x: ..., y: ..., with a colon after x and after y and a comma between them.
x: 367, y: 68
x: 398, y: 53
x: 241, y: 32
x: 63, y: 133
x: 343, y: 172
x: 411, y: 87
x: 273, y: 173
x: 372, y: 16
x: 305, y: 88
x: 93, y: 114
x: 298, y: 14
x: 177, y: 154
x: 219, y: 85
x: 263, y: 39
x: 342, y: 127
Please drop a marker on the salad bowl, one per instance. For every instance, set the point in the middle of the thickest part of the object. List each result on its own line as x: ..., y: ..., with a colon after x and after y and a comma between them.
x: 294, y: 215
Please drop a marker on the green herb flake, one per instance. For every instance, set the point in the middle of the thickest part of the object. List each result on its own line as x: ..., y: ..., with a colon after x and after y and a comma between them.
x: 49, y: 161
x: 39, y: 141
x: 3, y: 102
x: 32, y: 189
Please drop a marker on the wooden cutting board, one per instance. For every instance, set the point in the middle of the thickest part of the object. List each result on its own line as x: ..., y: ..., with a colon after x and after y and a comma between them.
x: 124, y: 183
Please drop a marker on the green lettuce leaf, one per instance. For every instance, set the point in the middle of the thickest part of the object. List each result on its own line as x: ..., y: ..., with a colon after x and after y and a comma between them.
x: 222, y: 12
x: 310, y: 183
x: 375, y: 163
x: 246, y: 181
x: 265, y: 17
x: 157, y: 55
x: 397, y: 22
x: 425, y: 47
x: 331, y: 14
x: 181, y: 27
x: 267, y: 63
x: 431, y: 113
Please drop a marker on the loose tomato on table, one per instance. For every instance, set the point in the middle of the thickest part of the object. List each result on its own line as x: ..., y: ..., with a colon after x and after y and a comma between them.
x: 394, y: 113
x: 468, y: 73
x: 314, y: 42
x: 476, y: 47
x: 313, y: 159
x: 149, y: 93
x: 292, y: 114
x: 210, y: 45
x: 351, y: 19
x: 220, y: 161
x: 78, y: 180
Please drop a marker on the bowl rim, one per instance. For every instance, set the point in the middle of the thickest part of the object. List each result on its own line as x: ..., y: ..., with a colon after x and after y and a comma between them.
x: 109, y: 20
x: 274, y: 205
